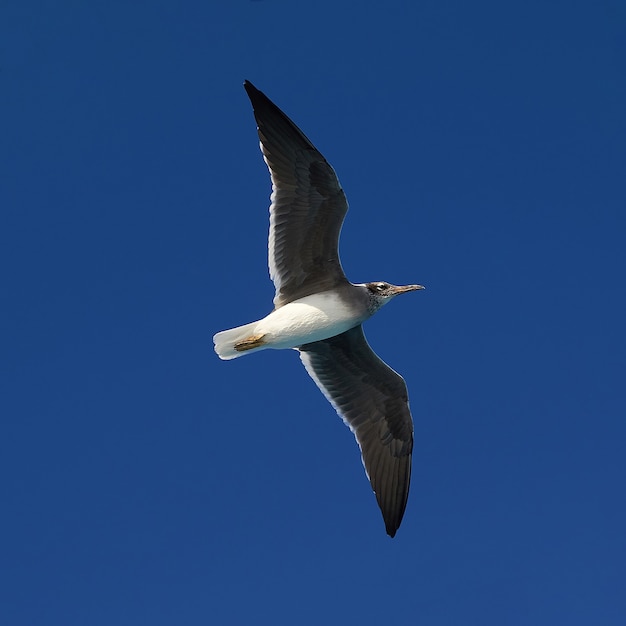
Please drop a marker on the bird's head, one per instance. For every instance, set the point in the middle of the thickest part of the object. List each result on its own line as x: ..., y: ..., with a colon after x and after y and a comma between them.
x: 381, y: 292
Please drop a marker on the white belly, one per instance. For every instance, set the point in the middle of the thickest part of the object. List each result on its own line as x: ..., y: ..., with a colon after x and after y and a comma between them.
x: 313, y: 318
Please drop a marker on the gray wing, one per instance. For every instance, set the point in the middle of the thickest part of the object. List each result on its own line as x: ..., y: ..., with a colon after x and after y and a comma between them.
x: 307, y: 207
x: 373, y: 401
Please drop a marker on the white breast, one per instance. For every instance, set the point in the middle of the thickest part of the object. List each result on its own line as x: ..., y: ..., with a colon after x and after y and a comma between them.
x: 313, y: 318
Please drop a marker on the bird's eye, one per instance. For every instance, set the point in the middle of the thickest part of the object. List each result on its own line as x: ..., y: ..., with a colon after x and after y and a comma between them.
x: 381, y: 286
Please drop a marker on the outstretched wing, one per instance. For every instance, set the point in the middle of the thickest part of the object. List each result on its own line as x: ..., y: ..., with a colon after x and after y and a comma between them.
x: 307, y: 207
x: 373, y: 401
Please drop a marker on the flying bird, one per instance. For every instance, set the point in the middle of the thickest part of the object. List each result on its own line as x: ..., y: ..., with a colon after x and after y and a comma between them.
x: 318, y: 312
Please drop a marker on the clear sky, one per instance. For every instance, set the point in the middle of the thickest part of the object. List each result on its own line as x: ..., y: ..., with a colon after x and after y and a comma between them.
x: 482, y: 147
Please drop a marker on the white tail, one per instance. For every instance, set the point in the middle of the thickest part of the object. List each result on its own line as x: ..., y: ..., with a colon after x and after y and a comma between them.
x: 226, y: 340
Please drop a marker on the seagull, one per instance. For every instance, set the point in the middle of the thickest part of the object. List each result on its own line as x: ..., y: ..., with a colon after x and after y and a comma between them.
x: 318, y: 312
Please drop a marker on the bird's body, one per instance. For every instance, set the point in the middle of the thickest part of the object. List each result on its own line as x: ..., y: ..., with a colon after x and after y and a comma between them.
x: 312, y: 318
x: 319, y: 312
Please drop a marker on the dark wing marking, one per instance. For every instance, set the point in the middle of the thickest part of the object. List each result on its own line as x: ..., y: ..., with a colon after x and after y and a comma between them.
x: 373, y: 401
x: 307, y: 207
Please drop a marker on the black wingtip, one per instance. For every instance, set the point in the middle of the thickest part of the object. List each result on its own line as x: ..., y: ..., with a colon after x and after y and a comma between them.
x: 257, y: 97
x: 249, y: 87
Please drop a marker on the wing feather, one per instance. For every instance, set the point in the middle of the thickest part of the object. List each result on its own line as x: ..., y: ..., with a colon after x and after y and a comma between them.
x: 373, y: 401
x: 307, y: 209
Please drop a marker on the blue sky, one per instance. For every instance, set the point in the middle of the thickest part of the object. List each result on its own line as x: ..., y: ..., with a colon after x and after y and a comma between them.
x: 482, y: 148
